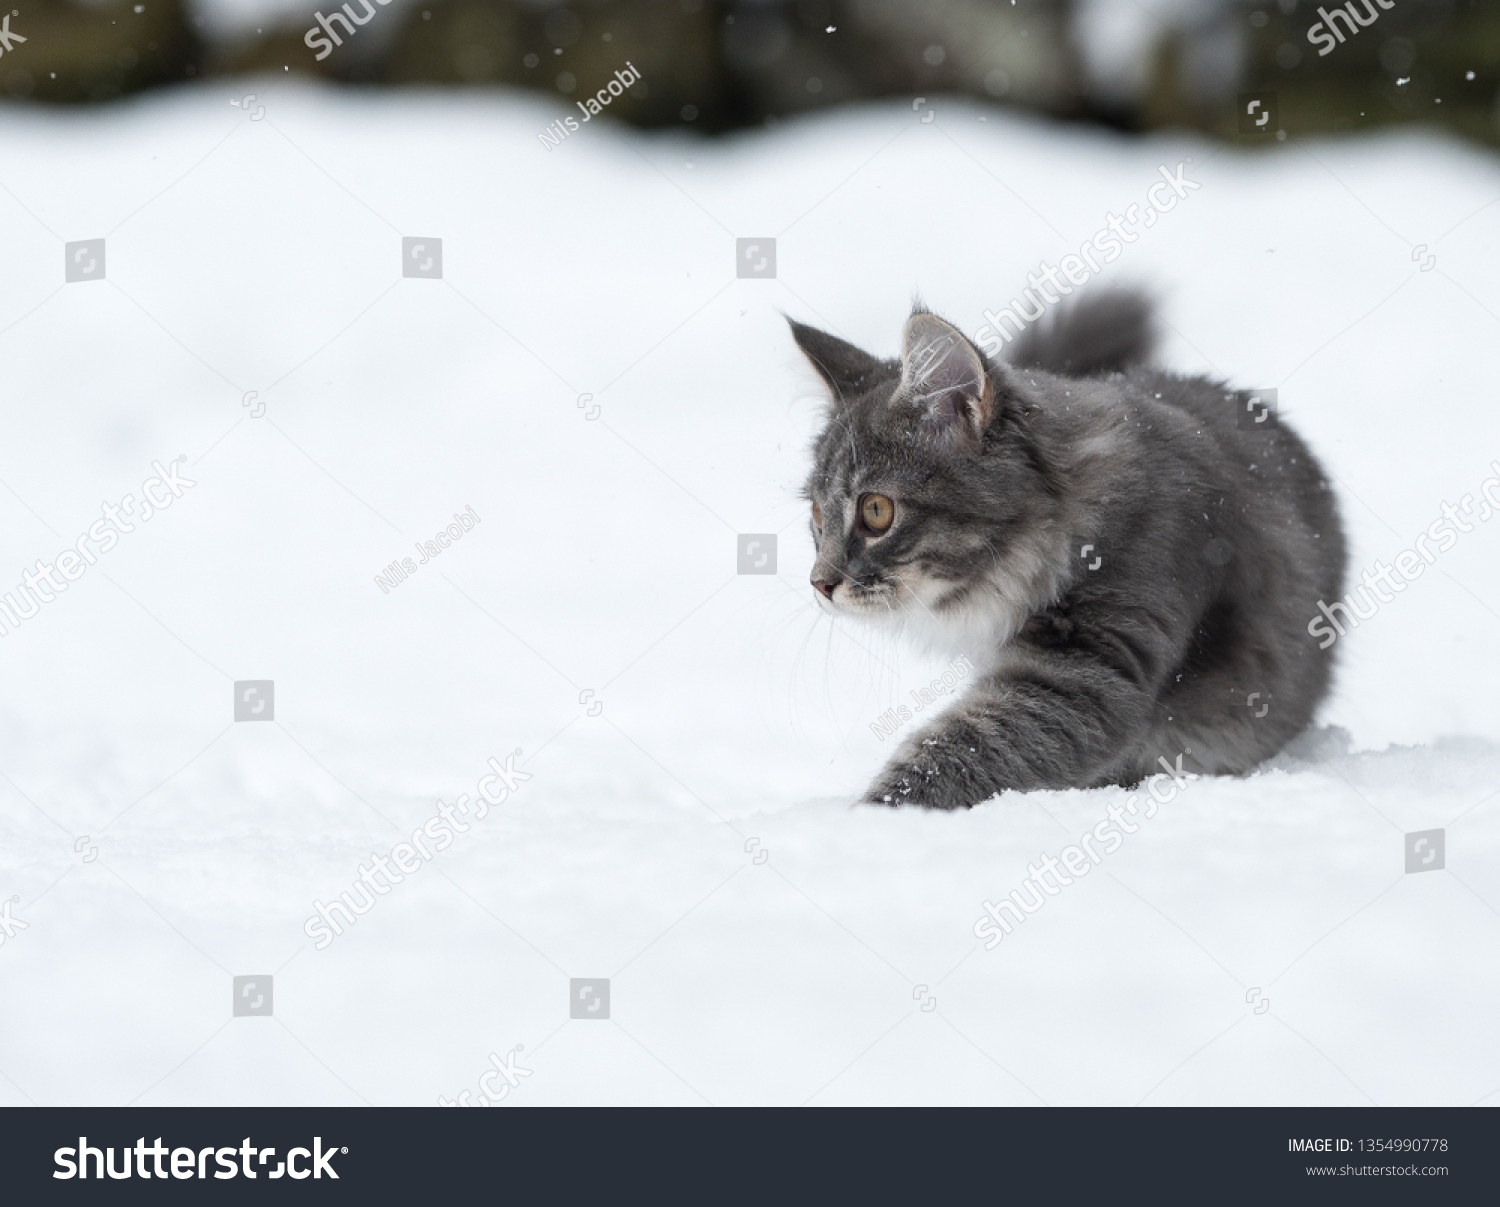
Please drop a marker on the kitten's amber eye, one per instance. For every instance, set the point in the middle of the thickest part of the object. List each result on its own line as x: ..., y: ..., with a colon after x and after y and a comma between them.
x: 817, y: 516
x: 877, y: 512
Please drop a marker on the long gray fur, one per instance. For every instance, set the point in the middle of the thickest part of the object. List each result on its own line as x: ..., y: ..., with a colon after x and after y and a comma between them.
x: 1127, y: 566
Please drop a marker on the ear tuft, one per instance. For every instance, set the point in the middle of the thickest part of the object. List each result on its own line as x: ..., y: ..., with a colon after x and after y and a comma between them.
x: 943, y: 375
x: 845, y: 369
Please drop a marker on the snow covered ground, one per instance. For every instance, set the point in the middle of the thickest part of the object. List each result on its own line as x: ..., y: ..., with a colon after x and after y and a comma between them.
x: 691, y: 840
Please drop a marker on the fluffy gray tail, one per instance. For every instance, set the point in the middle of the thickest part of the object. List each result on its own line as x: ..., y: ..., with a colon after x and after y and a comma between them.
x: 1104, y: 333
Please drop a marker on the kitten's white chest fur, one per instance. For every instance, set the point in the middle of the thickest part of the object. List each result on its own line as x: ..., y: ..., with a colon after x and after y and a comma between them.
x: 981, y: 624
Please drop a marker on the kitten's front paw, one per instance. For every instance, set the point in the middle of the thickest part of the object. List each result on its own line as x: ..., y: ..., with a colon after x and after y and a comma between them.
x: 889, y: 790
x: 923, y: 780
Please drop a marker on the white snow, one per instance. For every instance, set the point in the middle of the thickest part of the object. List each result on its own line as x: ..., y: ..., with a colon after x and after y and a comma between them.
x: 263, y: 255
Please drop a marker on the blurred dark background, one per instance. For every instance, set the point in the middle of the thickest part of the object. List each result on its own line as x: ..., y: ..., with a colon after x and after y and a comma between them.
x: 721, y: 65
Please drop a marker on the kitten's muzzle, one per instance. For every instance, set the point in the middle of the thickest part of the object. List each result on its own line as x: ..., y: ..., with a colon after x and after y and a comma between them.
x: 825, y: 586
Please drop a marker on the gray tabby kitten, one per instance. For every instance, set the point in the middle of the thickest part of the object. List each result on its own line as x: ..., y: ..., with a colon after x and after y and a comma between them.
x: 1127, y: 558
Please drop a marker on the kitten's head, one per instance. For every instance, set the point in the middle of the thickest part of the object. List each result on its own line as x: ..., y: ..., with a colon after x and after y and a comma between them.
x: 925, y: 491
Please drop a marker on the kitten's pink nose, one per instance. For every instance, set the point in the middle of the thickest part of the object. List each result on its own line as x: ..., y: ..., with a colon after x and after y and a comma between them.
x: 825, y: 586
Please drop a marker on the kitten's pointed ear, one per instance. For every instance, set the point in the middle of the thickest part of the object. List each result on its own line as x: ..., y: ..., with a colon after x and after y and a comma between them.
x: 943, y: 374
x: 843, y: 367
